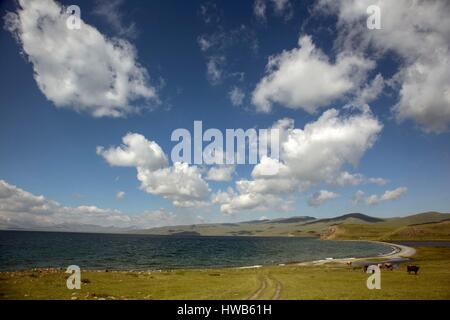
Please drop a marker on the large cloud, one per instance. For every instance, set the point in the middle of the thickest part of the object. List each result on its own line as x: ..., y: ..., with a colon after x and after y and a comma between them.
x: 418, y: 32
x: 304, y: 78
x: 26, y: 210
x: 79, y: 69
x: 425, y: 93
x: 182, y: 184
x: 308, y: 157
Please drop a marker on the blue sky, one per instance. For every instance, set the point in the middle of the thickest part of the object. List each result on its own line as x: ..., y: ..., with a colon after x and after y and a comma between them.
x: 48, y: 147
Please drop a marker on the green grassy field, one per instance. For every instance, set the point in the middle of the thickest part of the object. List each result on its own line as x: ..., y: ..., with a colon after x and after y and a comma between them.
x: 288, y: 282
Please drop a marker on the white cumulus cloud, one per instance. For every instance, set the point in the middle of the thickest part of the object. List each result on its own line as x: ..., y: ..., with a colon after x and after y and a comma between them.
x: 388, y: 195
x: 418, y: 33
x: 304, y: 78
x: 182, y: 184
x: 79, y: 69
x: 136, y: 151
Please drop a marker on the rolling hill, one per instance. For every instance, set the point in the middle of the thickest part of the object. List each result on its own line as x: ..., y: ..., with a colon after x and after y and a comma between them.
x: 423, y: 226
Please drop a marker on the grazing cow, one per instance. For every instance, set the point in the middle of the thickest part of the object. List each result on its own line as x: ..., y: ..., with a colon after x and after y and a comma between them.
x: 388, y: 266
x: 414, y: 269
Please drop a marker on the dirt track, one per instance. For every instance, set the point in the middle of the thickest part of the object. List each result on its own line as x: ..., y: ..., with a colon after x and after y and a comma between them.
x: 269, y: 287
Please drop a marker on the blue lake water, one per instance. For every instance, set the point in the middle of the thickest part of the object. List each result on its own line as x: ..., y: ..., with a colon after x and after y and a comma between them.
x: 25, y: 250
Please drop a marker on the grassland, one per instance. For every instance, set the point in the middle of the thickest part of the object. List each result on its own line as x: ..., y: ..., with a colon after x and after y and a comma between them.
x: 330, y: 281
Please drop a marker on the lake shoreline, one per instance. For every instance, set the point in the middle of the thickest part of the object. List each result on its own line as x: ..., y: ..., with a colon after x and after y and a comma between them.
x: 398, y: 251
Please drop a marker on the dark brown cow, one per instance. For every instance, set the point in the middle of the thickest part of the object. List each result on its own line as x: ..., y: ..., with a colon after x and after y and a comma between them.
x: 414, y: 269
x: 388, y: 266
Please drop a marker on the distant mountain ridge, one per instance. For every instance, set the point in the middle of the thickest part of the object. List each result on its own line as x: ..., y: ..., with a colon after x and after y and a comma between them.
x: 359, y: 216
x: 305, y: 226
x: 426, y: 225
x: 293, y: 219
x: 66, y: 227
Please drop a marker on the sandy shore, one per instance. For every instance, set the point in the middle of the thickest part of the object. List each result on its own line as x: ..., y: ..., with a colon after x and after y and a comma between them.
x: 398, y: 252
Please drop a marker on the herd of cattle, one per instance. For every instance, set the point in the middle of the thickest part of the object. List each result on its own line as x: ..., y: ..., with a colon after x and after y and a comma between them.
x: 391, y: 266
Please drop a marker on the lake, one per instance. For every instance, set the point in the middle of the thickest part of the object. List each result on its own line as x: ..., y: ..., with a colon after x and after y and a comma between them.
x: 25, y: 250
